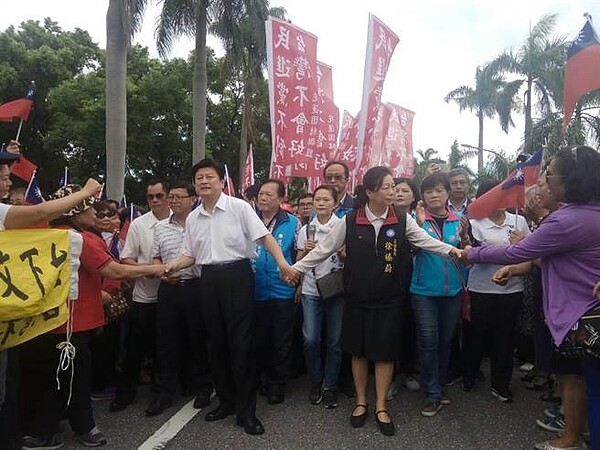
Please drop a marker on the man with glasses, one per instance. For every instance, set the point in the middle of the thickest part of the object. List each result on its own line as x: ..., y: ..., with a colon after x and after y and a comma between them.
x: 337, y: 174
x: 178, y: 313
x: 142, y: 318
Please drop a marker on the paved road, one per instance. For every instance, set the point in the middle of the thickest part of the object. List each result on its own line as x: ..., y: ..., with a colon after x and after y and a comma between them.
x: 472, y: 421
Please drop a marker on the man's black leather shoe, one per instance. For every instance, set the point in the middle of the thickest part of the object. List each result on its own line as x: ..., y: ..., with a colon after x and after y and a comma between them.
x: 219, y: 413
x: 202, y: 400
x: 157, y: 406
x: 251, y: 425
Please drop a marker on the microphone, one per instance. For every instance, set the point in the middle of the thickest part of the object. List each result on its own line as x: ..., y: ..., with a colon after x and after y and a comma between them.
x: 311, y: 230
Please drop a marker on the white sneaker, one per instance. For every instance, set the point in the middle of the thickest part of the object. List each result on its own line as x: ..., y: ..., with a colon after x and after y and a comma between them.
x: 412, y: 384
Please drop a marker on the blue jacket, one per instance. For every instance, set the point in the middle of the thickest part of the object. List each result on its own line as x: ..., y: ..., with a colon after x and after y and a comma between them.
x: 267, y: 281
x: 435, y: 275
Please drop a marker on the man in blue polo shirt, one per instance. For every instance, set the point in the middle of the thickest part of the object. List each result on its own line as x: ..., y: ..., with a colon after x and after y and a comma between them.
x: 275, y: 308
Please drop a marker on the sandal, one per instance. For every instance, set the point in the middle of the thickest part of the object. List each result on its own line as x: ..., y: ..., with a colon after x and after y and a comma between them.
x: 358, y: 421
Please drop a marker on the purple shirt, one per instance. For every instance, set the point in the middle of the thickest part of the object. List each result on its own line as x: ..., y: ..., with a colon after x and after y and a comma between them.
x: 568, y: 243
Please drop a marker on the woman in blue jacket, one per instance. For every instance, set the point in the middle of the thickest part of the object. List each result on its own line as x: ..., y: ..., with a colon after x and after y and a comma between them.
x: 436, y: 287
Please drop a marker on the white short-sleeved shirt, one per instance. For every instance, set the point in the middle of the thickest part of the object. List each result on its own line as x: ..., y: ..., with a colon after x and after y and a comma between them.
x: 3, y: 212
x: 168, y: 241
x: 488, y: 233
x: 309, y: 285
x: 138, y: 246
x: 228, y: 234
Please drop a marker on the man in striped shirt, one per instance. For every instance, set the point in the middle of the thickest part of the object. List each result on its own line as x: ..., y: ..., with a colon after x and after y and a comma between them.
x: 181, y: 333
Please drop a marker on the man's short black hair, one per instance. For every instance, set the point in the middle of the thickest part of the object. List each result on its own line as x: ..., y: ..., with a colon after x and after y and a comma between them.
x: 305, y: 195
x: 189, y: 187
x: 485, y: 185
x: 343, y: 164
x: 208, y: 163
x: 433, y: 180
x: 280, y: 186
x: 155, y: 181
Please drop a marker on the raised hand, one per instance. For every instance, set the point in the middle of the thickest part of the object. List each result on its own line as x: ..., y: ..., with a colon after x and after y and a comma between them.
x: 92, y: 187
x: 13, y: 147
x: 420, y: 213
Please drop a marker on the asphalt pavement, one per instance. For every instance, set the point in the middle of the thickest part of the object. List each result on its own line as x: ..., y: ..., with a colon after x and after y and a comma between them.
x: 473, y: 420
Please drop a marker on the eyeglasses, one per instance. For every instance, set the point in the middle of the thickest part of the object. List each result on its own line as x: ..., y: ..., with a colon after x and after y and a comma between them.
x: 334, y: 177
x: 103, y: 214
x: 158, y: 196
x: 178, y: 198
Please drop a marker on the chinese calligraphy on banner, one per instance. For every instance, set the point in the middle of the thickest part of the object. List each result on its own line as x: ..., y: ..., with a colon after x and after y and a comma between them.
x: 292, y: 67
x: 346, y: 150
x: 381, y: 43
x: 398, y: 145
x: 38, y: 272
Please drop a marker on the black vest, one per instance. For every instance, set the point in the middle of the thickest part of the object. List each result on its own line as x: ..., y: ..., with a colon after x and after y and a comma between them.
x: 377, y: 276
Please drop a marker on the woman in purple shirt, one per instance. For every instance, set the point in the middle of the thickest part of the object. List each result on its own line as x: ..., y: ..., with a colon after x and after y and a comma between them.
x: 568, y: 243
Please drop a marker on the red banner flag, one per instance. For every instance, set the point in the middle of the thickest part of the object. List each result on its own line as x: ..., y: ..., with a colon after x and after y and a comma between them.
x: 248, y: 179
x: 23, y: 168
x: 398, y: 144
x: 292, y: 67
x: 346, y: 151
x: 511, y: 192
x: 582, y: 72
x: 374, y: 156
x: 381, y: 43
x: 16, y: 109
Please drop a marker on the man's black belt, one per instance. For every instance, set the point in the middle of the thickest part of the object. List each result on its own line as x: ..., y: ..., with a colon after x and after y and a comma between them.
x: 226, y: 265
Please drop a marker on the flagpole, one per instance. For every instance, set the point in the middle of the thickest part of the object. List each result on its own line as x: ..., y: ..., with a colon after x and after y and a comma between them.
x: 228, y: 181
x: 66, y: 174
x: 19, y: 130
x: 30, y: 183
x: 131, y: 213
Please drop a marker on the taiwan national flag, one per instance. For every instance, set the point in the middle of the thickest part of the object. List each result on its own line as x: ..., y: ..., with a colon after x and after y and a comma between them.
x: 511, y: 192
x: 19, y: 108
x: 582, y: 72
x: 24, y: 169
x: 33, y: 195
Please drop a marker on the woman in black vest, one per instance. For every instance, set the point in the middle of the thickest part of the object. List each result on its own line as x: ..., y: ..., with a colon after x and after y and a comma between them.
x: 376, y: 281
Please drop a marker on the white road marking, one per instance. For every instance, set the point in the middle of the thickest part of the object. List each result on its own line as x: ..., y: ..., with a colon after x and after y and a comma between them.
x: 170, y: 428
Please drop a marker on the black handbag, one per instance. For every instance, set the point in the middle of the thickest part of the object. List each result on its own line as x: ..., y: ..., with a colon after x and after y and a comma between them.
x: 331, y: 285
x: 583, y: 340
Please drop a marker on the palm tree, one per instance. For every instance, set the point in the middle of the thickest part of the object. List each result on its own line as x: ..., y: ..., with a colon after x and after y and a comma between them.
x: 123, y: 19
x: 491, y: 95
x: 246, y: 52
x: 192, y: 18
x: 538, y: 63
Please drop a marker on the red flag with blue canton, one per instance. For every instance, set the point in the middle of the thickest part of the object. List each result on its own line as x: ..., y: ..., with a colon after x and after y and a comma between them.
x: 511, y: 192
x: 19, y: 108
x: 582, y: 72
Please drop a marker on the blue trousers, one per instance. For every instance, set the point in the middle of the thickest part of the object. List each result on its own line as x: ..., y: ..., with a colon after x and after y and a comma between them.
x: 591, y: 370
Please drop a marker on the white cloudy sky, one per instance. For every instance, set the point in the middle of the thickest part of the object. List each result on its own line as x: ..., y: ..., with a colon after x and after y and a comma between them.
x: 441, y: 44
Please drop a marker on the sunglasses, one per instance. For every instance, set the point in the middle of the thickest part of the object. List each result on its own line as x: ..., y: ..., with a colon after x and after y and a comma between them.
x: 103, y: 214
x: 158, y: 196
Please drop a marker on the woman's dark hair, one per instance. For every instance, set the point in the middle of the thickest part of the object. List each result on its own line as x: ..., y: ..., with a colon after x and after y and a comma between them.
x: 433, y: 180
x: 325, y: 187
x: 372, y: 181
x: 485, y: 185
x: 209, y: 163
x: 413, y: 187
x: 580, y: 166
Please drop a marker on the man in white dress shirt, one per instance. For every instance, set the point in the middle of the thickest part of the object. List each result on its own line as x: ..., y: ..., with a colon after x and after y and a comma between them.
x: 221, y: 236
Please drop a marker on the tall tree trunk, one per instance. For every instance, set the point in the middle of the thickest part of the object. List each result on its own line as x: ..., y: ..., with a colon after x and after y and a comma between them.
x: 244, y: 139
x: 116, y: 100
x: 480, y: 144
x: 200, y: 86
x: 528, y: 113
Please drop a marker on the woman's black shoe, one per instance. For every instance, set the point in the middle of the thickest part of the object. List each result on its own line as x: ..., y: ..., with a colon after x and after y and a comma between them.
x: 358, y: 421
x: 387, y: 428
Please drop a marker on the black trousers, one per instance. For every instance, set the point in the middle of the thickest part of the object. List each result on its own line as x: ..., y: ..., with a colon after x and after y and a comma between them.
x: 493, y: 320
x: 181, y: 338
x: 49, y: 403
x: 408, y: 344
x: 104, y: 350
x: 274, y: 336
x: 228, y: 308
x: 140, y: 342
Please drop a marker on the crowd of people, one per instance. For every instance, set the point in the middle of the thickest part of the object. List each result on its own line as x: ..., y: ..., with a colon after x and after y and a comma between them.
x: 208, y: 293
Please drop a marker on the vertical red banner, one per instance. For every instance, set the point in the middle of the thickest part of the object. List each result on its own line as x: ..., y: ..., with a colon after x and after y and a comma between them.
x: 346, y: 150
x: 381, y: 43
x: 248, y: 179
x: 292, y: 67
x: 398, y: 143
